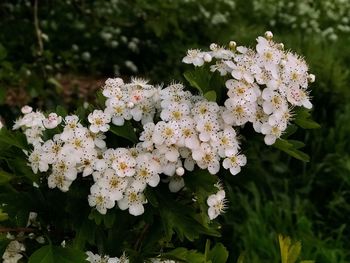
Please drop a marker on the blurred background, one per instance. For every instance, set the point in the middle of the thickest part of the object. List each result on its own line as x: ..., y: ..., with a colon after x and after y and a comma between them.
x: 60, y: 52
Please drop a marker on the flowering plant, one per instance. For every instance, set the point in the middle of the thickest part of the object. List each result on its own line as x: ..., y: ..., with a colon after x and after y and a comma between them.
x: 154, y: 151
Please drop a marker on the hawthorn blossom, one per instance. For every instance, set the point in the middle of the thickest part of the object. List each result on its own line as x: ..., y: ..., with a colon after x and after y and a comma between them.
x: 217, y: 204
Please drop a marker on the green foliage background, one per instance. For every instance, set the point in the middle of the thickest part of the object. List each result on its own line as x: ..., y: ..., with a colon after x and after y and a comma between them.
x: 274, y: 194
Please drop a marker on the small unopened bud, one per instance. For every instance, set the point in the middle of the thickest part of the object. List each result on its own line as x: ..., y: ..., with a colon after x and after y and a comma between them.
x: 26, y: 109
x: 232, y: 44
x: 311, y: 78
x: 281, y: 46
x: 207, y: 57
x: 213, y: 46
x: 180, y: 171
x: 268, y: 35
x: 130, y: 104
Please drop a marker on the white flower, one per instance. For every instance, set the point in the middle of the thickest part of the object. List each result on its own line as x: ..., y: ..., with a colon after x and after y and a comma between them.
x: 299, y: 97
x: 112, y: 87
x: 241, y: 91
x: 52, y: 121
x: 147, y: 172
x: 99, y: 121
x: 175, y: 112
x: 95, y: 258
x: 72, y: 123
x: 58, y: 180
x: 115, y: 185
x: 195, y: 57
x: 119, y: 112
x: 208, y: 127
x: 217, y: 204
x: 234, y: 163
x: 1, y: 124
x: 206, y: 158
x: 133, y: 200
x: 37, y: 160
x: 13, y: 252
x: 237, y: 114
x: 100, y: 198
x: 226, y: 142
x: 166, y: 133
x: 188, y: 134
x: 124, y: 163
x: 272, y: 131
x: 26, y: 109
x: 273, y: 101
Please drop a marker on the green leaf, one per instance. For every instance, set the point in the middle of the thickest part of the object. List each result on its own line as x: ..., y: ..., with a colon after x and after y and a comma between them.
x: 126, y: 131
x: 151, y: 197
x: 218, y: 254
x: 290, y: 251
x: 303, y: 119
x: 85, y: 233
x: 291, y: 148
x: 3, y: 52
x: 190, y: 256
x: 5, y: 177
x: 178, y: 218
x: 53, y: 254
x: 3, y: 216
x: 210, y: 95
x: 199, y: 79
x: 16, y: 138
x: 61, y: 111
x: 241, y: 258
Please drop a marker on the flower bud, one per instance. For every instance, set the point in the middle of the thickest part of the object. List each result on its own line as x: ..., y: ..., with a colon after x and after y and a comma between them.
x: 232, y: 44
x: 26, y: 109
x: 213, y: 46
x: 311, y: 78
x: 268, y: 35
x: 180, y: 171
x: 207, y: 57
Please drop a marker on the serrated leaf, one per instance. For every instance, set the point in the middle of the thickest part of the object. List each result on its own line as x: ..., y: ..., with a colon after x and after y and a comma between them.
x: 178, y: 218
x: 287, y: 147
x: 189, y: 256
x: 218, y: 254
x: 13, y: 138
x: 53, y: 254
x: 303, y: 119
x: 126, y: 131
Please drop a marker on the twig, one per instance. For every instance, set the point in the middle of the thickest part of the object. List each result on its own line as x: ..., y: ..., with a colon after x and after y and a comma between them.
x: 37, y: 29
x: 141, y: 237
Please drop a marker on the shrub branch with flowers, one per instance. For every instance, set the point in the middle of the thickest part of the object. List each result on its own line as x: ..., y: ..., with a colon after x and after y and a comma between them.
x: 158, y: 152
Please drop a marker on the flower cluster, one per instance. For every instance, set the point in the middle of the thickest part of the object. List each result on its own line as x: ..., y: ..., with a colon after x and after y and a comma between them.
x: 264, y: 84
x: 96, y: 258
x: 177, y: 130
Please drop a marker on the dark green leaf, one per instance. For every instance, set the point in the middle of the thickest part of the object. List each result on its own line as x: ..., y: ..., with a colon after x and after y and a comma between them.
x: 126, y: 131
x: 53, y: 254
x: 5, y: 177
x: 189, y: 256
x: 218, y: 254
x: 303, y: 119
x: 289, y: 148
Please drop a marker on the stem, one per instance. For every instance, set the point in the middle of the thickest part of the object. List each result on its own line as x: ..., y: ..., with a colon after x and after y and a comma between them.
x: 37, y: 29
x: 141, y: 237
